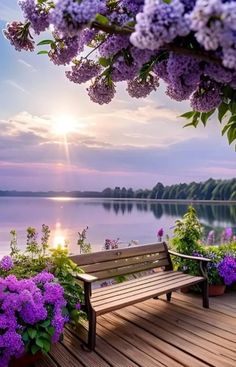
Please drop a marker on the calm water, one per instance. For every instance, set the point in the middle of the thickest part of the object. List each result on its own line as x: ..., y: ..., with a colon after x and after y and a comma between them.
x: 127, y: 220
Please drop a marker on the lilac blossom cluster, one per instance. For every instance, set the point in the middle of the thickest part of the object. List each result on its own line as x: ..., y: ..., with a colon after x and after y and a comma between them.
x: 24, y: 303
x: 69, y: 16
x: 36, y: 13
x: 83, y: 71
x: 101, y: 91
x: 151, y: 48
x: 6, y: 263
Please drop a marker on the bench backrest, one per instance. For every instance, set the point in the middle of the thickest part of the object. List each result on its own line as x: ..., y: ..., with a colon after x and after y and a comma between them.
x: 111, y: 263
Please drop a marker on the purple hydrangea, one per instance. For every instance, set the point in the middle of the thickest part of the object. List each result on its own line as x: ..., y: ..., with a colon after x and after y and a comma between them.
x: 83, y: 71
x: 227, y: 269
x: 101, y: 91
x: 138, y: 88
x: 158, y: 24
x: 6, y: 263
x: 24, y: 303
x: 18, y: 34
x: 36, y: 13
x: 69, y: 16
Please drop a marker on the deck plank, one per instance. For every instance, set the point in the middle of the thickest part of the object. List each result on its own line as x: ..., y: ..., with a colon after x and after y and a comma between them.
x: 156, y: 333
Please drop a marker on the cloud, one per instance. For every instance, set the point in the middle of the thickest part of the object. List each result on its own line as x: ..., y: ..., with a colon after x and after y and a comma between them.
x: 27, y: 65
x: 15, y: 85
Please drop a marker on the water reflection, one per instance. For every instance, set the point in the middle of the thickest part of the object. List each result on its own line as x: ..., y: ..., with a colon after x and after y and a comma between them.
x: 212, y: 214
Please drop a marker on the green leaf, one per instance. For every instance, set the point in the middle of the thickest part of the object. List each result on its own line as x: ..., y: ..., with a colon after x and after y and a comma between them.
x: 188, y: 115
x: 42, y: 53
x: 40, y: 342
x: 32, y: 333
x: 223, y: 108
x: 231, y: 134
x: 205, y: 116
x: 104, y: 62
x: 46, y: 323
x: 45, y: 42
x: 46, y: 346
x: 232, y: 107
x: 51, y: 330
x: 101, y: 19
x: 25, y: 336
x: 34, y: 349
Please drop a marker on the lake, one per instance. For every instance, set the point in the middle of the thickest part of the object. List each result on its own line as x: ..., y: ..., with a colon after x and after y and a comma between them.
x: 126, y: 220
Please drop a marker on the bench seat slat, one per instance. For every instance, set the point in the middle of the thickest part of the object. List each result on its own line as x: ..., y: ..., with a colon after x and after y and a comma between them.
x: 146, y: 282
x: 106, y: 274
x: 140, y: 297
x: 104, y: 256
x: 117, y: 287
x: 144, y: 288
x: 114, y: 264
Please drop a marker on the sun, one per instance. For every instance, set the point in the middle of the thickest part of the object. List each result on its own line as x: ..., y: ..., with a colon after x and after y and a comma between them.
x: 63, y: 125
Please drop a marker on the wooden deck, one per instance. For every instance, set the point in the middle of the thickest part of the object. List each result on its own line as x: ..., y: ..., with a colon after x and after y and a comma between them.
x: 156, y: 333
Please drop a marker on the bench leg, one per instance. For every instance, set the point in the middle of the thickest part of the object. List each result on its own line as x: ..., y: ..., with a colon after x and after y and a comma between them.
x: 92, y: 331
x: 168, y: 296
x: 90, y: 346
x: 205, y: 295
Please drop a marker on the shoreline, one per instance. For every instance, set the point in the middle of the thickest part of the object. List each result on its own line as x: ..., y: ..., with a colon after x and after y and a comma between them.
x: 161, y: 201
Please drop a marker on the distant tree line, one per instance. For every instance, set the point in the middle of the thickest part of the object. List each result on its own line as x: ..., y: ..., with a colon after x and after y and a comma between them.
x: 208, y: 190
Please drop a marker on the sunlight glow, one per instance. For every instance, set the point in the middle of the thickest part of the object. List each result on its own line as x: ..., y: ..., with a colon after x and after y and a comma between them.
x: 59, y: 242
x: 63, y: 125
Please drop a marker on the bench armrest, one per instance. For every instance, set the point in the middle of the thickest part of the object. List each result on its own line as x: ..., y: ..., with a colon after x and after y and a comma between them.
x: 86, y: 278
x: 188, y: 257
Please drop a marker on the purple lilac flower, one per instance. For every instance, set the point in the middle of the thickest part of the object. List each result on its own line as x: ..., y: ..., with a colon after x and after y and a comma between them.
x: 101, y: 91
x: 85, y: 37
x: 159, y: 23
x: 36, y: 13
x: 160, y: 69
x: 211, y: 238
x: 160, y: 234
x: 113, y: 44
x: 141, y: 89
x: 78, y: 306
x: 6, y: 263
x: 227, y: 269
x: 122, y: 71
x: 83, y: 71
x: 218, y: 73
x: 19, y: 36
x: 206, y: 97
x: 132, y: 6
x: 69, y: 16
x: 183, y: 76
x: 227, y: 235
x: 66, y: 49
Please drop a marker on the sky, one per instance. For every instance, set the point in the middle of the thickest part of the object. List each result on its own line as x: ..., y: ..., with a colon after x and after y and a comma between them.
x: 132, y: 143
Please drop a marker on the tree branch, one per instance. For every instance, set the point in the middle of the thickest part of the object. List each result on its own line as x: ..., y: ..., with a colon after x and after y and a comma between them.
x: 126, y: 30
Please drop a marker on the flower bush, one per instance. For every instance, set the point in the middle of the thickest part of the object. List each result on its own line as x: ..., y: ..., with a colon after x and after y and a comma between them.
x: 188, y: 240
x: 32, y: 315
x: 38, y: 295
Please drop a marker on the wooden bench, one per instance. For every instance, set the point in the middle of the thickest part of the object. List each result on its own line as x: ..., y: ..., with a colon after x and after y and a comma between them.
x: 112, y: 263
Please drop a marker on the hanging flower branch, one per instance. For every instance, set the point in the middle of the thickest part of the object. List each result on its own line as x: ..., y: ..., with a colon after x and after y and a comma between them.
x: 189, y: 44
